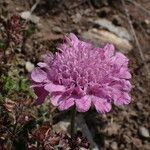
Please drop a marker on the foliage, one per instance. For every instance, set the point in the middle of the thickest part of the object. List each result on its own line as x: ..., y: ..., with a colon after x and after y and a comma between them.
x: 11, y: 85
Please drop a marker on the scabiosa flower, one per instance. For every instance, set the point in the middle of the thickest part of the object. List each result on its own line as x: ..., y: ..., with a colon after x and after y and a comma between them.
x: 83, y: 76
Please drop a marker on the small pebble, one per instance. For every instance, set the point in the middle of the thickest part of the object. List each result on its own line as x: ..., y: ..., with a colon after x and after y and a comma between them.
x: 57, y: 30
x: 144, y: 132
x: 29, y: 66
x: 114, y: 146
x: 147, y: 21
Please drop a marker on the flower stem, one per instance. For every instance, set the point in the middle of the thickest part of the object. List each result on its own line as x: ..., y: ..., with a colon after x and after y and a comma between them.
x: 73, y: 114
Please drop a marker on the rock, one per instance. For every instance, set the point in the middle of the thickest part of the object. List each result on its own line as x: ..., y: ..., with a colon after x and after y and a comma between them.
x: 119, y: 31
x: 62, y: 126
x: 28, y: 16
x: 143, y: 132
x: 100, y: 37
x: 147, y: 21
x: 29, y: 66
x: 57, y: 29
x: 114, y: 146
x: 112, y: 129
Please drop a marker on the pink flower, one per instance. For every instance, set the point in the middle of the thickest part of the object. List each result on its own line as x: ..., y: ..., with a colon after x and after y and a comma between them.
x: 83, y: 76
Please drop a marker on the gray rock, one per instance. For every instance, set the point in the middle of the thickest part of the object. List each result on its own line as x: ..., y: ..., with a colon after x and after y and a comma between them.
x: 99, y: 37
x: 29, y: 66
x: 144, y: 132
x: 147, y: 21
x: 119, y: 31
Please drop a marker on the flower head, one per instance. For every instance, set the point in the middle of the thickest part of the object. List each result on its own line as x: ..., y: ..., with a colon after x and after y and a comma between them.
x: 83, y: 76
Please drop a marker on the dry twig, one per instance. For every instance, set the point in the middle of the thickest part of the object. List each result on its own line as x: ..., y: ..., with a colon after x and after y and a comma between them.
x: 34, y: 6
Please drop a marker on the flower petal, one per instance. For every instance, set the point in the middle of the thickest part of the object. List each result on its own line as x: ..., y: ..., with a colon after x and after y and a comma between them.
x: 124, y: 73
x: 42, y: 65
x: 38, y: 75
x: 122, y: 85
x: 123, y: 99
x: 66, y: 104
x: 83, y: 104
x: 41, y: 94
x: 101, y: 105
x: 72, y: 38
x: 54, y: 88
x: 48, y: 58
x: 120, y: 60
x: 109, y: 50
x: 56, y: 100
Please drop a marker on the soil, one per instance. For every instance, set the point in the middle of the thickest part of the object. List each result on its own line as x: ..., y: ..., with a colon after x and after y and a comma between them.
x: 119, y: 129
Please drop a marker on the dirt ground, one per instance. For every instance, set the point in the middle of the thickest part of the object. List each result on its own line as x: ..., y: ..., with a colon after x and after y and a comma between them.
x: 122, y: 128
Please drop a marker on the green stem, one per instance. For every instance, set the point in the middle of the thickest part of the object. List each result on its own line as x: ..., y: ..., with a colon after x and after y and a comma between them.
x: 73, y: 114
